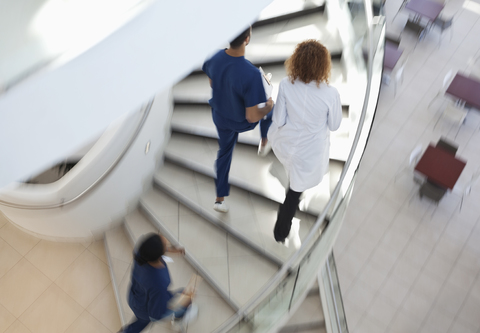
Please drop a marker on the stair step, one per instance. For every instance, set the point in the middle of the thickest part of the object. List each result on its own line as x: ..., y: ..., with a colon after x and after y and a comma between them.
x: 264, y: 176
x: 308, y: 317
x: 251, y: 217
x: 213, y: 309
x: 195, y: 88
x: 275, y: 42
x: 119, y: 252
x: 234, y: 269
x: 196, y: 119
x: 272, y: 15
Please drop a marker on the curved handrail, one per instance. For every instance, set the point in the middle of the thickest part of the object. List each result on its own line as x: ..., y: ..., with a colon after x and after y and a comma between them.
x: 146, y: 112
x: 287, y: 266
x: 308, y: 243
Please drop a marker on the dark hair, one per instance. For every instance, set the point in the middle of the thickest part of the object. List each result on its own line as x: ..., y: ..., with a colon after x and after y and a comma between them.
x: 238, y: 41
x: 310, y: 62
x: 151, y: 249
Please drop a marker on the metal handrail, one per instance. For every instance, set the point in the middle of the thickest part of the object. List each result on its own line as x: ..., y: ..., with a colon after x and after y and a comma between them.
x: 287, y: 266
x: 146, y: 112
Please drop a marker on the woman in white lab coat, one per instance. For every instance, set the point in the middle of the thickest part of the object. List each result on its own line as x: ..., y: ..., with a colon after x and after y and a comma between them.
x: 306, y: 110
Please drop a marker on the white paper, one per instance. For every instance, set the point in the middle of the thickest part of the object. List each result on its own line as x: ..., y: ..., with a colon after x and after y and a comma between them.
x: 267, y: 84
x: 167, y: 259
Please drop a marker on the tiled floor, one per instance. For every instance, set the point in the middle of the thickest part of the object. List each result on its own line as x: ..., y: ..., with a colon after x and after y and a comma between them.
x: 406, y: 265
x: 53, y: 287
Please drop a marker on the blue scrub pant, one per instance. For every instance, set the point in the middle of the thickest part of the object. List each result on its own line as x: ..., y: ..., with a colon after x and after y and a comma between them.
x: 141, y: 322
x: 227, y: 138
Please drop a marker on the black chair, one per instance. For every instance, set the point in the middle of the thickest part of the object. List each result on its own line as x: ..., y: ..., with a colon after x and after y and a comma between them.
x: 432, y: 191
x: 416, y: 28
x: 447, y: 146
x: 393, y: 40
x: 443, y: 24
x: 402, y: 6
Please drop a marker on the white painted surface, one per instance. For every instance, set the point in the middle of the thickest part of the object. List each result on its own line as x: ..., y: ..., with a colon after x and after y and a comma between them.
x: 88, y: 217
x: 54, y: 112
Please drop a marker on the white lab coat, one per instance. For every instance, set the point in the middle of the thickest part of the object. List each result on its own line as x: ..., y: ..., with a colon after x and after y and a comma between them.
x: 303, y: 117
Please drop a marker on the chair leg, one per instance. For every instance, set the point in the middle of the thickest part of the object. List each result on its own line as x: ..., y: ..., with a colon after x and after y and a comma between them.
x: 458, y: 130
x: 437, y: 121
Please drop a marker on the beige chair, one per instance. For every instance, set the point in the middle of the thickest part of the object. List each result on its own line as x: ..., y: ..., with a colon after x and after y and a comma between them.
x: 446, y: 82
x: 402, y: 6
x: 454, y: 113
x: 411, y: 163
x: 444, y: 24
x: 467, y: 189
x: 399, y: 76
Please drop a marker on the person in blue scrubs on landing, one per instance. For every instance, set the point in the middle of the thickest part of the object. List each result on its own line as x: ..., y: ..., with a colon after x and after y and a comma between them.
x: 149, y: 295
x: 237, y: 91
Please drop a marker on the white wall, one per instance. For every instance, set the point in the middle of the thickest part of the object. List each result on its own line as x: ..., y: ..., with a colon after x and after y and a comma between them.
x: 56, y: 111
x: 88, y: 217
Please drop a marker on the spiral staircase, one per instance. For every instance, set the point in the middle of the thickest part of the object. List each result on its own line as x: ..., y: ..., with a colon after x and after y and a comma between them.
x: 235, y: 253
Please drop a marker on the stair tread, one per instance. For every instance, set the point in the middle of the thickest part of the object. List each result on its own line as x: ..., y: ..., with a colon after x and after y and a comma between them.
x: 276, y: 42
x: 213, y: 309
x: 220, y: 254
x: 197, y: 120
x: 250, y: 215
x: 310, y: 311
x: 196, y: 88
x: 119, y: 251
x: 261, y: 175
x: 278, y: 8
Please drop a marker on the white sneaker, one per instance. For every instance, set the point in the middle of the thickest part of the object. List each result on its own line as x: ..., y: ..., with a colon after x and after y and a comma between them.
x: 191, y: 314
x: 180, y: 324
x: 220, y: 207
x: 264, y: 150
x: 294, y: 234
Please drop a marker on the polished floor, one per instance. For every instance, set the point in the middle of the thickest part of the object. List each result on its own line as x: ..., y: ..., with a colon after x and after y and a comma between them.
x: 406, y: 265
x: 48, y: 287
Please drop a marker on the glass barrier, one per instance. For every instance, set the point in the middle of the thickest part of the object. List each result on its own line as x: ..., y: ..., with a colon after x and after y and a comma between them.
x: 332, y: 296
x: 363, y: 39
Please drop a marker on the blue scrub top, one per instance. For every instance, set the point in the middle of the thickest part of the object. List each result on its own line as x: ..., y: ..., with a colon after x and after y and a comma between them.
x: 149, y: 293
x: 236, y: 85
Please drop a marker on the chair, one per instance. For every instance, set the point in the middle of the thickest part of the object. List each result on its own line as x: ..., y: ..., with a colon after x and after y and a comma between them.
x: 473, y: 68
x: 412, y: 162
x: 468, y: 187
x: 432, y: 191
x: 443, y: 24
x: 455, y: 114
x: 392, y: 39
x: 446, y: 82
x: 402, y: 6
x: 399, y: 77
x: 415, y: 27
x: 447, y: 146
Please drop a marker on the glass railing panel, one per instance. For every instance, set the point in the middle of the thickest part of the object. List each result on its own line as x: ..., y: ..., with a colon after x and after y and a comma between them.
x: 273, y: 306
x: 332, y: 298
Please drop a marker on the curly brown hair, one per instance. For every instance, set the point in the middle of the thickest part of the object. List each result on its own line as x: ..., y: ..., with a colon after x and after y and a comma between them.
x: 310, y: 62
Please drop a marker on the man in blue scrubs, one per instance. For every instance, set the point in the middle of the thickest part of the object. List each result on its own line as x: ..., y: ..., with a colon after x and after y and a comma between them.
x: 238, y: 104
